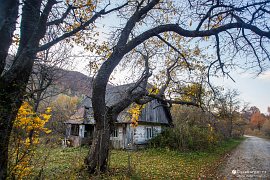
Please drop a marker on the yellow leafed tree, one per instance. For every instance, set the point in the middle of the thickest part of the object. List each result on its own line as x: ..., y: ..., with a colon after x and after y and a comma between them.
x: 22, y: 146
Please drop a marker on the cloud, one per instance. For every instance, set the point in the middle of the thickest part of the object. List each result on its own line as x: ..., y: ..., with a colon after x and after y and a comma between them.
x: 265, y: 75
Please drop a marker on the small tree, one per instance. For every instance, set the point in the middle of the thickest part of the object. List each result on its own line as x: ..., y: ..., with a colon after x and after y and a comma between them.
x: 257, y: 120
x: 266, y: 127
x: 63, y: 107
x: 228, y: 106
x: 22, y: 146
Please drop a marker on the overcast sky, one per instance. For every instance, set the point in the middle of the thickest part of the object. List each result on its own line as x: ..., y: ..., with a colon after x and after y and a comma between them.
x: 255, y: 90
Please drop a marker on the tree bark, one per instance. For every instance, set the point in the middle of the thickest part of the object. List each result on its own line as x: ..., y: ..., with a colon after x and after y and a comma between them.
x: 8, y: 16
x: 9, y: 105
x: 5, y: 130
x: 11, y: 97
x: 97, y: 159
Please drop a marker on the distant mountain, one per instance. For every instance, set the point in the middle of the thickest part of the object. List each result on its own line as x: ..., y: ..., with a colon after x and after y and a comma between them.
x: 74, y: 83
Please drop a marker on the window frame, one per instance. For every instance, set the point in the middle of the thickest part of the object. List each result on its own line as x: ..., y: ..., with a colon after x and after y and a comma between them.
x: 149, y: 132
x: 115, y: 133
x: 75, y: 129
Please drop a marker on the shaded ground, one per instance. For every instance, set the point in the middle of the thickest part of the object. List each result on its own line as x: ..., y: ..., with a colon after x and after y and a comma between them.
x: 250, y: 160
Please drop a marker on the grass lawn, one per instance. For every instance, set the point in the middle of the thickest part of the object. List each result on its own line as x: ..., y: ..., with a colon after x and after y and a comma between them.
x: 68, y: 163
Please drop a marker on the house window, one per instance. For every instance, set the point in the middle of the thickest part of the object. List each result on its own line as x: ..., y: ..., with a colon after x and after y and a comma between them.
x: 115, y: 132
x: 74, y: 129
x: 88, y: 130
x: 149, y: 132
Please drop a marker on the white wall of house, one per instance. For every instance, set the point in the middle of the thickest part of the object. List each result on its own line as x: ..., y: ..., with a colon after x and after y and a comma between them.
x: 139, y: 135
x: 68, y: 129
x: 142, y: 133
x: 81, y: 130
x: 118, y: 141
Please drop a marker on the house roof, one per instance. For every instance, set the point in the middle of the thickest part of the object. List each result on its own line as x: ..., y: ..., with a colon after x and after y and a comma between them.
x: 154, y: 111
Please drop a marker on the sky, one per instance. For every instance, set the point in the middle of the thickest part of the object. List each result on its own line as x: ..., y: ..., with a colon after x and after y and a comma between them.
x: 253, y: 89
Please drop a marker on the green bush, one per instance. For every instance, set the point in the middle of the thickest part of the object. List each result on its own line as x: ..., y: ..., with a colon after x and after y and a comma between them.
x: 193, y: 129
x: 195, y: 138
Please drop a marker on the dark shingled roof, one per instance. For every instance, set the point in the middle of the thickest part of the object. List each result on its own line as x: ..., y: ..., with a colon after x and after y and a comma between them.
x: 154, y: 111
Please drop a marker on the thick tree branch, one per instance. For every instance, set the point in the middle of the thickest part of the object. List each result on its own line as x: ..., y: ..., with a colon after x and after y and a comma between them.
x: 80, y: 28
x: 8, y: 17
x: 190, y: 33
x: 221, y: 64
x: 41, y: 30
x: 63, y: 17
x: 29, y: 23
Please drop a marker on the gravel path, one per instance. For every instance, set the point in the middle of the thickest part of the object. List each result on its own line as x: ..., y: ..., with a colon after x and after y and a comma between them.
x: 251, y: 160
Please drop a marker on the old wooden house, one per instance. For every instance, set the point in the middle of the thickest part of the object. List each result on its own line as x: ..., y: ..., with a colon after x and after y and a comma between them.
x: 154, y: 116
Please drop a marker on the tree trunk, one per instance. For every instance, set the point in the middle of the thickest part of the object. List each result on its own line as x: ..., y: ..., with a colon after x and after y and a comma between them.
x: 11, y: 97
x: 97, y: 159
x: 9, y: 105
x: 5, y: 130
x: 230, y: 126
x: 8, y: 108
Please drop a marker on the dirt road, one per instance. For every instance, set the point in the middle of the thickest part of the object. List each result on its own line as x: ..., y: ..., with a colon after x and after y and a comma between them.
x: 251, y: 160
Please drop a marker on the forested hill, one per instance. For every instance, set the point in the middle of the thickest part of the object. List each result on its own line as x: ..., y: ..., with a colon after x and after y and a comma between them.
x: 64, y: 81
x: 74, y: 83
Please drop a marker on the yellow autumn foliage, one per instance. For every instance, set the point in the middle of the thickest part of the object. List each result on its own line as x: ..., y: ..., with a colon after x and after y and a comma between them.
x: 135, y: 112
x: 27, y: 120
x: 192, y: 93
x: 26, y: 129
x: 153, y: 90
x: 136, y: 109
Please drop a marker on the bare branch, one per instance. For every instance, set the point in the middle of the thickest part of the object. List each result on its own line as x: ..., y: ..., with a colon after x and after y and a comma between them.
x: 253, y: 49
x: 173, y: 101
x: 218, y: 55
x: 175, y: 49
x: 61, y: 20
x: 187, y: 33
x: 74, y: 31
x: 169, y: 78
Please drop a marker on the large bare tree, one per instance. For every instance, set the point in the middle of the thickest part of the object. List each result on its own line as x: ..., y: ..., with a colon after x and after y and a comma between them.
x: 235, y: 29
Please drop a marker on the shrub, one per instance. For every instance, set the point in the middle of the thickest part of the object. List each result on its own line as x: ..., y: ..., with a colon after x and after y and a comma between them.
x: 195, y: 138
x: 25, y: 137
x: 191, y: 131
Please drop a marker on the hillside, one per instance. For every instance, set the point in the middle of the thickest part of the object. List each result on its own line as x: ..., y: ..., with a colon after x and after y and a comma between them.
x: 67, y: 82
x: 74, y: 83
